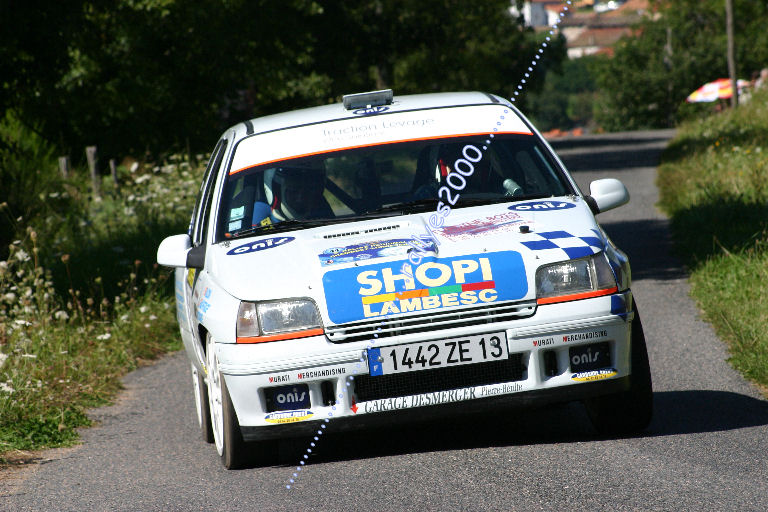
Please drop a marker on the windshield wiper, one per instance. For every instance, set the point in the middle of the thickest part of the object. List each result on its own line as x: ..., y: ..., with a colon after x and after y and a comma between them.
x: 409, y: 207
x: 286, y: 225
x: 504, y: 199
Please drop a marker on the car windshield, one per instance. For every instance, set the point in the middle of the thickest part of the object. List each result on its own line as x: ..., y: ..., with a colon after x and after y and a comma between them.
x: 386, y: 179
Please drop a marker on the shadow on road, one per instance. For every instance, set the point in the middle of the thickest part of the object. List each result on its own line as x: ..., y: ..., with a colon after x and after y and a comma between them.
x: 613, y: 139
x: 697, y: 411
x: 647, y: 243
x: 618, y: 159
x: 675, y: 413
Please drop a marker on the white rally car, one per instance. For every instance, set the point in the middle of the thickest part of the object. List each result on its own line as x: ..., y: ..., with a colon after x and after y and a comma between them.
x: 402, y: 257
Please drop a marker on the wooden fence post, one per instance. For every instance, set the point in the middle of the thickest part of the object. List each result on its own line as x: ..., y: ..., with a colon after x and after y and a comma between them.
x: 93, y: 163
x: 64, y: 166
x: 113, y: 171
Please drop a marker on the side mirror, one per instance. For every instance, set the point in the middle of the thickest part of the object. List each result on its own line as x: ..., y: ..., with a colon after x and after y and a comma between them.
x: 607, y: 194
x: 173, y: 251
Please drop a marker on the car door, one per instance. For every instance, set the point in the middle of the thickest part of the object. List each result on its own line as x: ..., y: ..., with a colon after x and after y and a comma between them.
x: 198, y: 231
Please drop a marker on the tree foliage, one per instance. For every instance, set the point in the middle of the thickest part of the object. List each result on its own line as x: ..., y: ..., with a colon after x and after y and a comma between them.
x: 153, y: 75
x: 676, y: 51
x: 567, y: 96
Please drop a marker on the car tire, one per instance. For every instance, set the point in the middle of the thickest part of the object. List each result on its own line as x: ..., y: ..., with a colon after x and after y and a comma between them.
x: 202, y: 405
x: 630, y: 411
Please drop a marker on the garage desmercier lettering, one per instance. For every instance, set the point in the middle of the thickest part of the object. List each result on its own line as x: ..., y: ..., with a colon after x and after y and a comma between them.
x: 387, y: 288
x: 439, y: 397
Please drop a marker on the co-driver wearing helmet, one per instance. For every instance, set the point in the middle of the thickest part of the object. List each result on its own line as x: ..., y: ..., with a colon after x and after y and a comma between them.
x: 292, y: 193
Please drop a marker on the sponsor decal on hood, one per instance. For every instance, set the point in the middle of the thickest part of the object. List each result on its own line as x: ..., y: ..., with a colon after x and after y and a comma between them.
x: 260, y: 245
x: 542, y: 206
x: 398, y: 287
x: 369, y: 250
x: 558, y: 242
x: 501, y: 222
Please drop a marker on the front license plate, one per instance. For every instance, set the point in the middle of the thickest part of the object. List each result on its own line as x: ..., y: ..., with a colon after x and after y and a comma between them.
x: 430, y: 355
x: 590, y: 357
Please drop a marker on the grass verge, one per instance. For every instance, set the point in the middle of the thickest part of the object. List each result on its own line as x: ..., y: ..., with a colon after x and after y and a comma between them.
x: 713, y: 183
x: 81, y: 301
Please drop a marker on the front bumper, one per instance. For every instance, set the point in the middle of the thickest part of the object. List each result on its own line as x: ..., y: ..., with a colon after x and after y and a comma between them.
x: 339, y: 384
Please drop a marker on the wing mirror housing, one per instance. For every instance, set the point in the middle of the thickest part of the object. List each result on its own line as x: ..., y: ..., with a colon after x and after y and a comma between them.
x: 174, y: 251
x: 606, y: 194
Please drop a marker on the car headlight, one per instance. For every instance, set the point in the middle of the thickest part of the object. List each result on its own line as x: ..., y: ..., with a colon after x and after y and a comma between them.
x: 575, y: 279
x: 258, y: 322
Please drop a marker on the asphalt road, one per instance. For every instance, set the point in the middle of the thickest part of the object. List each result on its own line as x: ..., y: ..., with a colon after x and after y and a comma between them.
x: 705, y: 449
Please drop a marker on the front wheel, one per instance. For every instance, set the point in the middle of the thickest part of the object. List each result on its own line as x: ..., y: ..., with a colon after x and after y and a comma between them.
x: 630, y: 411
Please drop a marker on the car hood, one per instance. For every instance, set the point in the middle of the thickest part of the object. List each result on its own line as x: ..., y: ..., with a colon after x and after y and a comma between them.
x: 362, y: 269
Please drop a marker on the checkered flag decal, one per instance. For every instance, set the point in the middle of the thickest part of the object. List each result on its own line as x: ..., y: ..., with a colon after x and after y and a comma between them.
x: 573, y: 246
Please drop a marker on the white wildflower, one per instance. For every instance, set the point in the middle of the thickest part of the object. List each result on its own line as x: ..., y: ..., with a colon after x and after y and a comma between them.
x: 147, y: 326
x: 61, y: 315
x: 104, y: 336
x: 29, y: 356
x: 23, y: 322
x: 5, y: 388
x: 21, y: 255
x: 152, y: 317
x: 9, y: 297
x: 3, y: 357
x: 124, y: 318
x: 143, y: 178
x: 143, y: 309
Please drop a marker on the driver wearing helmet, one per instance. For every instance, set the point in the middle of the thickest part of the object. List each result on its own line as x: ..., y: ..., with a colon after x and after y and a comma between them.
x: 292, y: 193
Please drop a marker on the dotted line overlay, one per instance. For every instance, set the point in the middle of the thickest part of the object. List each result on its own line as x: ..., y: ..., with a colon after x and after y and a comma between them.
x: 349, y: 379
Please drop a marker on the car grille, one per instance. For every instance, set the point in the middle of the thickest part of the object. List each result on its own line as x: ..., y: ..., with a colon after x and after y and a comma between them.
x: 443, y: 379
x: 430, y: 321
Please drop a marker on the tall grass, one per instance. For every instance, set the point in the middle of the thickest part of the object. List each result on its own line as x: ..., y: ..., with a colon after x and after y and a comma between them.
x: 713, y: 183
x: 81, y: 300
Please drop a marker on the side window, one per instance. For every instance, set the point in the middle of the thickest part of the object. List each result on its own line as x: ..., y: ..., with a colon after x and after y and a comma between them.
x: 203, y: 205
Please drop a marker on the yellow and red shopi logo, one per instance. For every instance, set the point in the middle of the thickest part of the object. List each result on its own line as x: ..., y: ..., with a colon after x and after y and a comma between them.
x: 399, y: 287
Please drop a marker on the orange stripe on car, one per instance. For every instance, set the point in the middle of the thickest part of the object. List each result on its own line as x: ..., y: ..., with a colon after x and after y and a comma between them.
x: 375, y: 144
x: 577, y: 296
x: 278, y: 337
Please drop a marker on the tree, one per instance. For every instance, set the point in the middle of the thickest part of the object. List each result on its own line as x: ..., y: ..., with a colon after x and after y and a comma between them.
x: 155, y: 75
x: 673, y: 53
x: 427, y: 45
